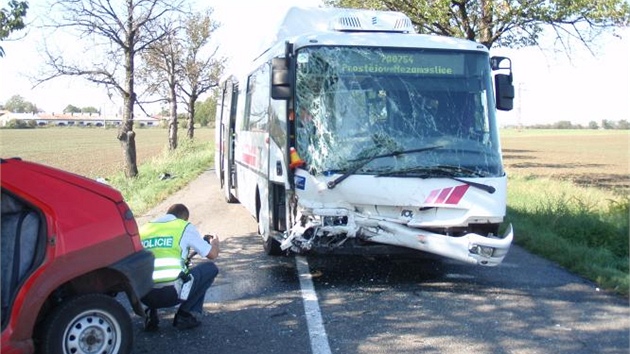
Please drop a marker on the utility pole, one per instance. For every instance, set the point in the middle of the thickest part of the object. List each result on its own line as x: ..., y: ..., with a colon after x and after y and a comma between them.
x: 519, y: 112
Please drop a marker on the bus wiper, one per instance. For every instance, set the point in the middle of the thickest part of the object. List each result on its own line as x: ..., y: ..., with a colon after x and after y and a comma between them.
x: 332, y: 184
x: 441, y: 171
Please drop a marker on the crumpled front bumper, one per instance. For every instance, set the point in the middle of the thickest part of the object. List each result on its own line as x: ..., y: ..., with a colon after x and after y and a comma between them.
x: 470, y: 248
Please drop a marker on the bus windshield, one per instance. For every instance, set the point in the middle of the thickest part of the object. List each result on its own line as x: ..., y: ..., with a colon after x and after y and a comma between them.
x: 355, y: 103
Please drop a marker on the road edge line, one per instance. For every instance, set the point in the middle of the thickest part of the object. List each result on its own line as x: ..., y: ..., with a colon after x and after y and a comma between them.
x: 316, y: 330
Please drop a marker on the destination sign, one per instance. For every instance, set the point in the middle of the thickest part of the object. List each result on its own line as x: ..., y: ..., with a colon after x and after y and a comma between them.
x: 370, y: 61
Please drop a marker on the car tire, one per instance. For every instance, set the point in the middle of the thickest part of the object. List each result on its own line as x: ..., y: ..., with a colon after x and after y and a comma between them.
x: 92, y: 323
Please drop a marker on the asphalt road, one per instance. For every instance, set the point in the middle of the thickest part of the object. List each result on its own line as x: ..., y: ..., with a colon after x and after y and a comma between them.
x: 261, y: 304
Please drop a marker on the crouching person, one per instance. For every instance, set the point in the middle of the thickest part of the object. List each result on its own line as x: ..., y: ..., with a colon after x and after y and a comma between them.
x: 170, y: 238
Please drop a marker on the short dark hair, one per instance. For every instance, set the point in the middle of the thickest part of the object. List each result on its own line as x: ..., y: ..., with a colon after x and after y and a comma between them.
x: 179, y: 210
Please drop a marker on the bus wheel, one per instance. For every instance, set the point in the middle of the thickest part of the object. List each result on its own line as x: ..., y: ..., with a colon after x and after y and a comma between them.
x: 272, y: 247
x: 229, y: 197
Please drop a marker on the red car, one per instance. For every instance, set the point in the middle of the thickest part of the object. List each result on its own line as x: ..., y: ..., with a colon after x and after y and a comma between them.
x: 69, y: 246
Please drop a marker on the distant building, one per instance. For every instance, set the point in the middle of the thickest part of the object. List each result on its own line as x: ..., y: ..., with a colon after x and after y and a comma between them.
x: 76, y: 119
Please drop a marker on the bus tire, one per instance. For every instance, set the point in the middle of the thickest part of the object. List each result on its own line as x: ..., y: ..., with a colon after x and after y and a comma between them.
x: 229, y: 197
x: 227, y: 191
x: 272, y: 247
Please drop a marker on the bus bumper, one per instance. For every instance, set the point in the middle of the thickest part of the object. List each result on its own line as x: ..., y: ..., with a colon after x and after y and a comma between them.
x: 470, y: 248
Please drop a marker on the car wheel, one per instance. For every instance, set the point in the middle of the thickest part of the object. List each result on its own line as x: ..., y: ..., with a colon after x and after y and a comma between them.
x: 93, y: 323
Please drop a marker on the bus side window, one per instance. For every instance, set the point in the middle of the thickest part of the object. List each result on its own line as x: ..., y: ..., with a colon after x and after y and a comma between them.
x: 257, y: 109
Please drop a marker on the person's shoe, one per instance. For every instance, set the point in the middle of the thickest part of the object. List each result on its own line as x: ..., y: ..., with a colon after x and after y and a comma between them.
x: 151, y: 320
x: 185, y: 320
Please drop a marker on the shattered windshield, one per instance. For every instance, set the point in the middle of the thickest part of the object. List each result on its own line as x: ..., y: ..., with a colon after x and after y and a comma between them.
x: 359, y: 102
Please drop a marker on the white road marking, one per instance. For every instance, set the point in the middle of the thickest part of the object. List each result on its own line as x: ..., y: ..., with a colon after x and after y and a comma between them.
x: 316, y: 330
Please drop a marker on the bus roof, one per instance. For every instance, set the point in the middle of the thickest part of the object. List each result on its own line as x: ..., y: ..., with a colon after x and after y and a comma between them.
x: 303, y: 20
x: 358, y: 27
x: 327, y: 26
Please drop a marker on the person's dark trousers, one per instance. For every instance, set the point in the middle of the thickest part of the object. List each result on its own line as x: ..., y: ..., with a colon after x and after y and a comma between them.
x: 204, y: 274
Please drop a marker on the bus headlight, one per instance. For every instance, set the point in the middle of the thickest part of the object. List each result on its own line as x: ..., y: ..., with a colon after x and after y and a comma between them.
x: 335, y: 220
x: 483, y: 251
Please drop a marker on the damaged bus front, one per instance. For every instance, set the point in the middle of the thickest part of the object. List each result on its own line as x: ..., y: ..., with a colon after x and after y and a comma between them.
x: 391, y: 140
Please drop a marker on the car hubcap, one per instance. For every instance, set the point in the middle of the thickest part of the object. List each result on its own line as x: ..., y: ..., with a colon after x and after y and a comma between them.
x: 92, y: 332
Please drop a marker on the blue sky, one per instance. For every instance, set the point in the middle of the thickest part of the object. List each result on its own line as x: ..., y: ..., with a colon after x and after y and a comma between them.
x: 551, y: 87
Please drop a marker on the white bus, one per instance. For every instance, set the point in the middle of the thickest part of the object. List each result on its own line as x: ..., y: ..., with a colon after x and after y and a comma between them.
x: 354, y: 134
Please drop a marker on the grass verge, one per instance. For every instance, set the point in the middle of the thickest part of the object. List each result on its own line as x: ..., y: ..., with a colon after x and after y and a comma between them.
x: 149, y: 188
x: 585, y: 230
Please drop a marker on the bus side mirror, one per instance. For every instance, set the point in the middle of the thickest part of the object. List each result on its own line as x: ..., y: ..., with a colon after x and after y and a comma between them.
x: 504, y: 92
x: 280, y: 79
x: 503, y: 83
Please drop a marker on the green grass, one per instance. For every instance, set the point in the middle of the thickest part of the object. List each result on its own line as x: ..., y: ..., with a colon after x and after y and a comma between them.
x: 187, y: 162
x: 585, y: 230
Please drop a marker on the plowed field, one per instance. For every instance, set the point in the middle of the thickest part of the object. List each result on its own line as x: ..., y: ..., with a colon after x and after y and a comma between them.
x: 591, y: 158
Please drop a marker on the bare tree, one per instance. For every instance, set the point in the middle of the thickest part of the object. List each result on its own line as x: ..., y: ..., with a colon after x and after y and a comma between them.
x: 123, y: 29
x: 162, y: 72
x: 509, y: 23
x: 200, y: 70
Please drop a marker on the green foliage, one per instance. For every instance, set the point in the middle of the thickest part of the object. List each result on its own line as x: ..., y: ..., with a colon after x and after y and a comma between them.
x: 89, y: 109
x: 201, y: 74
x: 20, y: 124
x: 563, y: 124
x: 205, y: 112
x: 17, y: 104
x: 147, y: 189
x: 12, y: 19
x: 607, y: 124
x: 71, y: 109
x: 74, y: 109
x: 583, y: 230
x: 505, y: 23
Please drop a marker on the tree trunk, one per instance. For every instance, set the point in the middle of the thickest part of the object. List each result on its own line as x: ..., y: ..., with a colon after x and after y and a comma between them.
x: 172, y: 122
x: 485, y: 24
x: 191, y: 119
x: 127, y: 138
x: 126, y: 135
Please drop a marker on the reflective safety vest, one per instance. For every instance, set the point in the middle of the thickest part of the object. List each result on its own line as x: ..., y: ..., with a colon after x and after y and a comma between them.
x: 162, y: 239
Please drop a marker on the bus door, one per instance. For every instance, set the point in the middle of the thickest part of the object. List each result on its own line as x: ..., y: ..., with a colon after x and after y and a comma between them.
x: 228, y: 124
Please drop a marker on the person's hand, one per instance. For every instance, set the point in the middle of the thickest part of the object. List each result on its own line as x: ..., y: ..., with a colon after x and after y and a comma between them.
x: 213, y: 240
